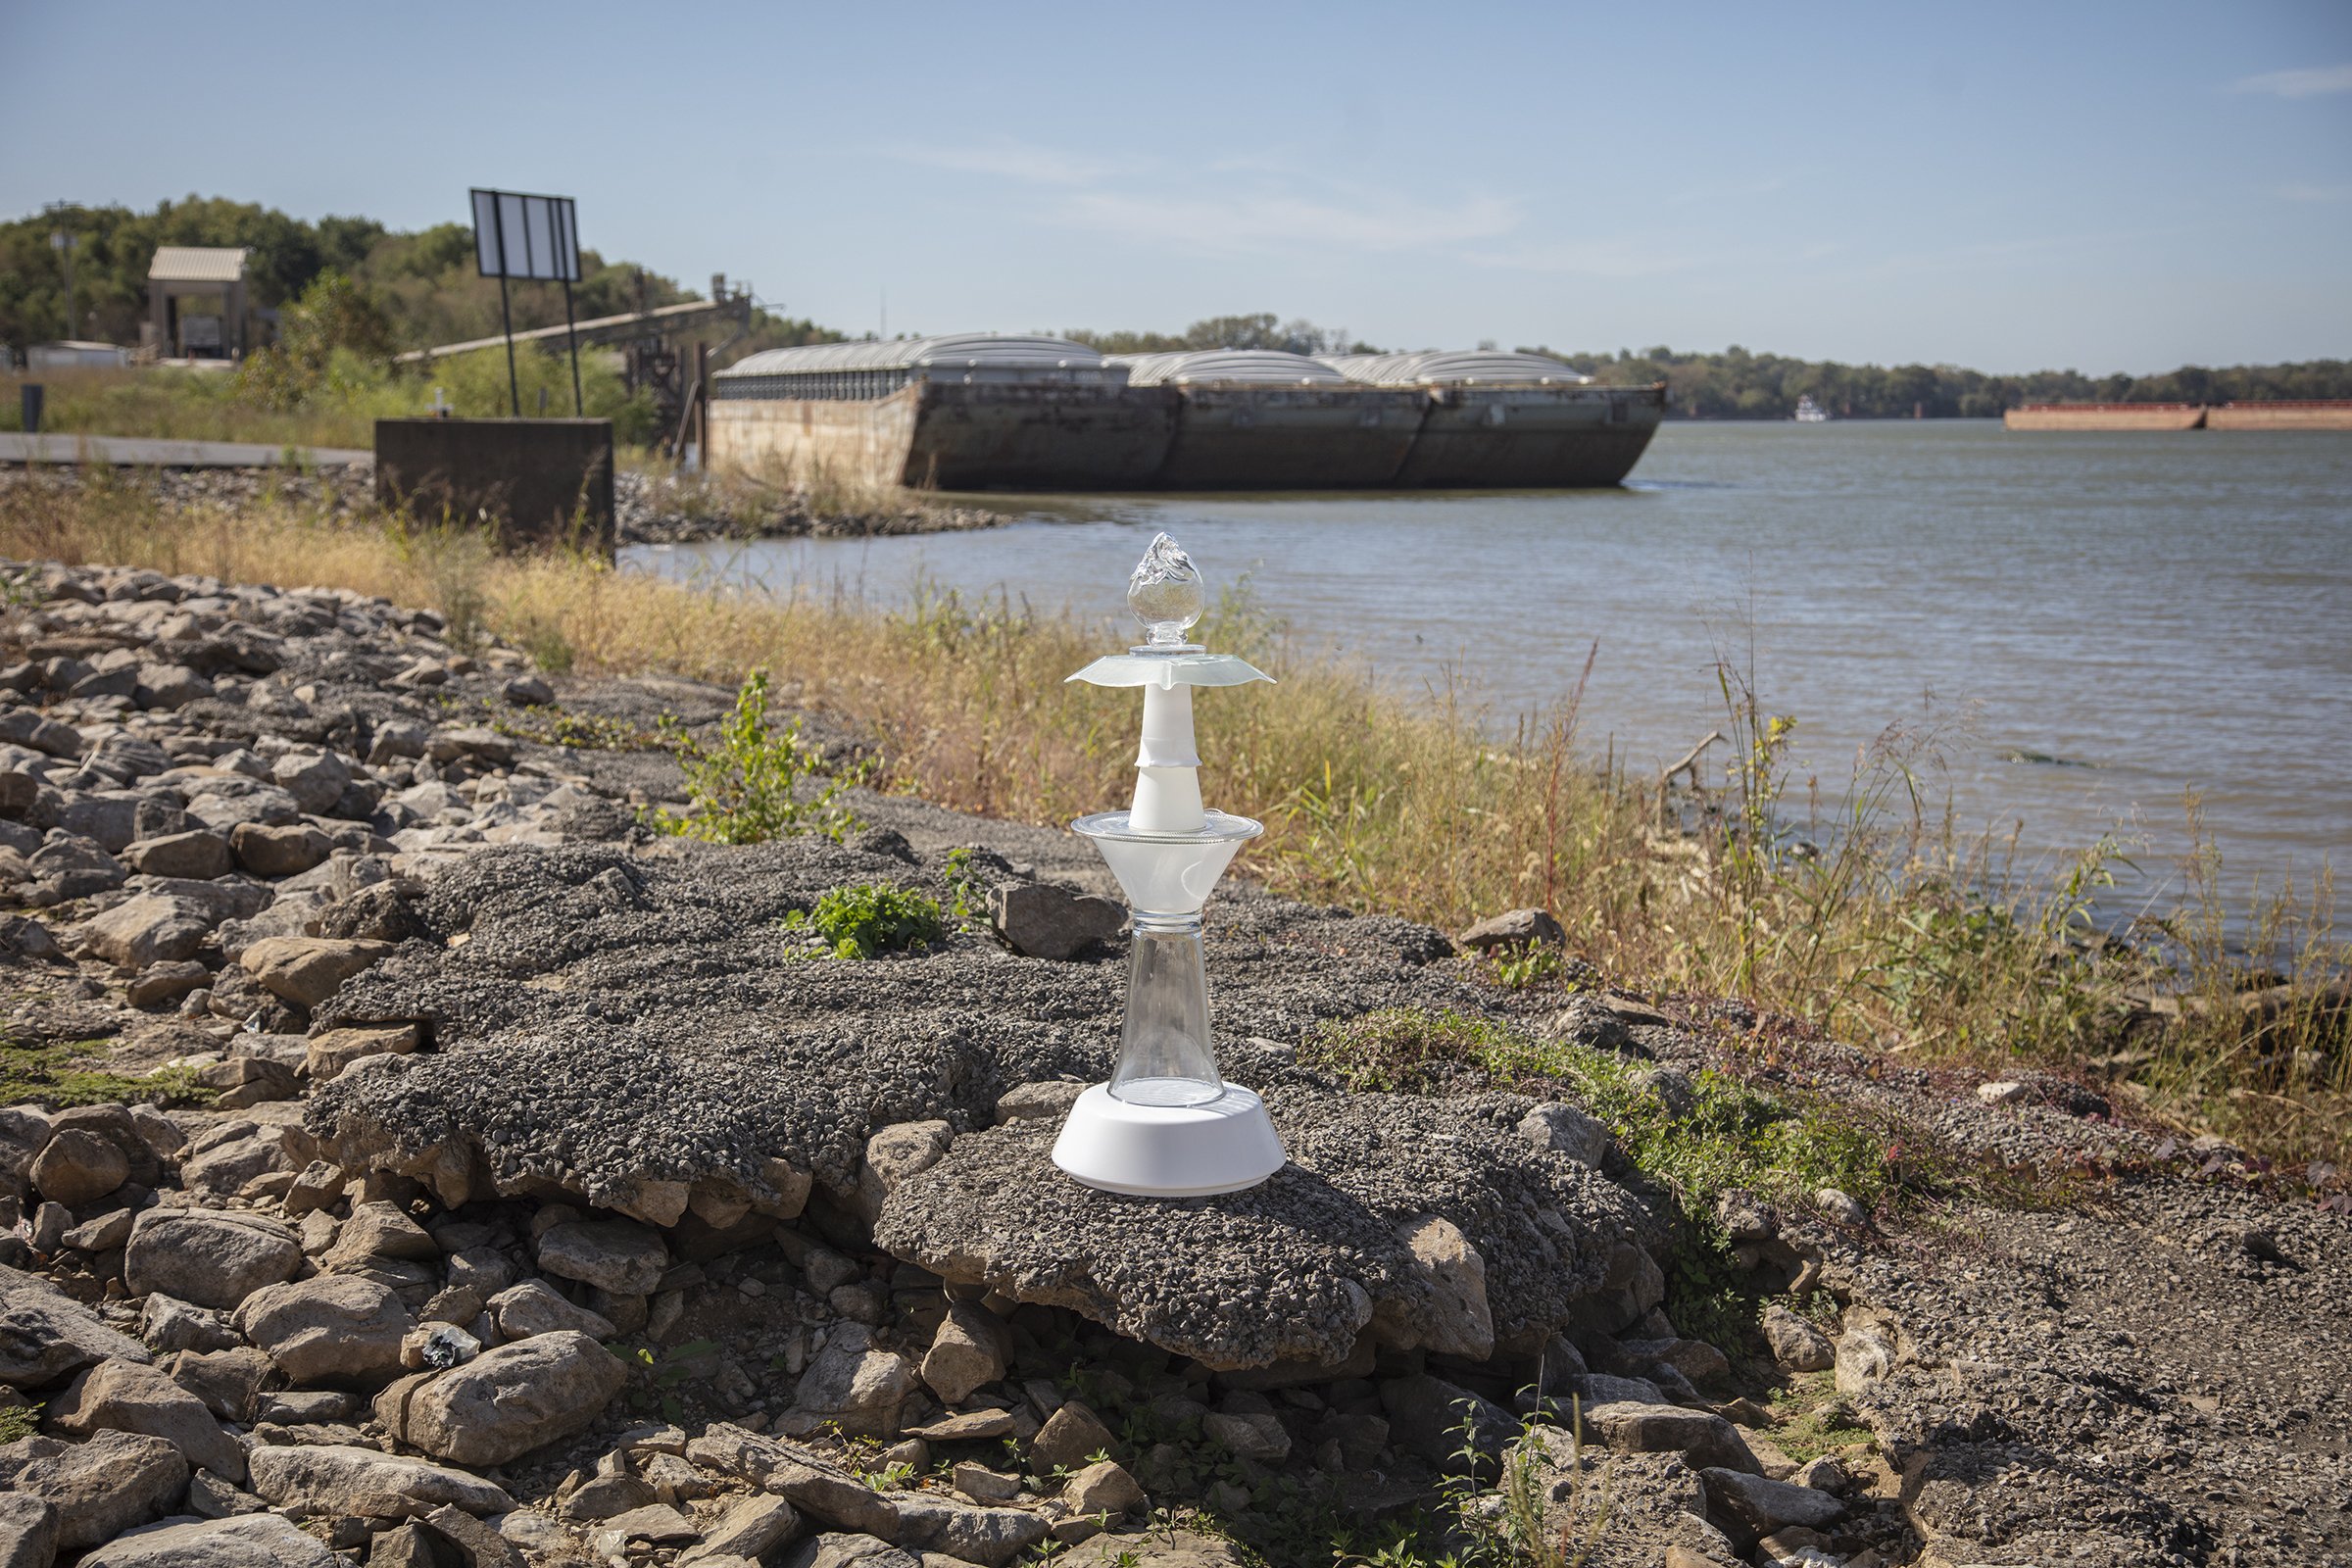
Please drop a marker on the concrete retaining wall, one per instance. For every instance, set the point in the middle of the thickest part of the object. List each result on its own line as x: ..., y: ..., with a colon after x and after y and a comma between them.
x: 538, y: 481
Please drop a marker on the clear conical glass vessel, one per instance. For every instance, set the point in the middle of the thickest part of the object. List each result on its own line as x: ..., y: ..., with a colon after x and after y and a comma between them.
x: 1166, y: 1053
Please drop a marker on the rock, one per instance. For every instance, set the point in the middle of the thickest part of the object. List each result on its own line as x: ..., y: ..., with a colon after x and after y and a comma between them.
x: 331, y: 1052
x: 161, y: 984
x: 1047, y: 921
x: 228, y: 1382
x: 243, y: 1081
x: 1104, y: 1487
x: 810, y: 1482
x: 846, y: 1551
x: 983, y: 1485
x: 1566, y: 1130
x: 378, y: 1230
x: 1516, y: 928
x: 614, y: 1254
x: 1763, y: 1506
x: 210, y: 1497
x: 1841, y: 1209
x: 967, y: 1352
x: 1450, y: 1315
x: 211, y: 1257
x: 896, y: 1152
x: 529, y: 1308
x: 169, y: 686
x: 27, y: 1530
x: 24, y: 726
x: 275, y: 852
x: 1172, y: 1547
x: 990, y: 1536
x: 1048, y: 1101
x: 74, y: 867
x: 529, y: 691
x: 167, y: 1323
x: 1426, y: 1415
x: 307, y: 970
x: 852, y: 1383
x: 223, y: 1168
x: 334, y: 1328
x: 100, y: 1488
x: 1863, y: 1357
x: 472, y: 1542
x: 970, y: 1425
x: 195, y: 855
x: 146, y: 930
x: 2005, y: 1092
x: 657, y: 1523
x: 126, y: 1396
x: 250, y: 1541
x: 751, y: 1529
x: 1070, y: 1439
x: 508, y: 1401
x: 78, y: 1167
x: 316, y: 779
x: 1796, y: 1345
x: 329, y: 1479
x: 1703, y: 1437
x: 476, y: 743
x: 1258, y: 1436
x: 1696, y: 1359
x: 46, y: 1335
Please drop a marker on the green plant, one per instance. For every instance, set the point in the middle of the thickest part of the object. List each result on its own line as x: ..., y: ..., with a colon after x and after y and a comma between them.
x: 747, y: 786
x: 869, y: 918
x: 969, y: 899
x: 18, y: 1421
x: 55, y: 1075
x: 1531, y: 965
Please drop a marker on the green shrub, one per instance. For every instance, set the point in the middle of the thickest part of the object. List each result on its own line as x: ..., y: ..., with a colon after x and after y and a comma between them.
x: 872, y: 918
x: 746, y: 788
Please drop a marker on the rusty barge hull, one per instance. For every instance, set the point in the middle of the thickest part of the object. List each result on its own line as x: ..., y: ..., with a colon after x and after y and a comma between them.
x: 2106, y: 416
x: 2332, y: 414
x: 947, y: 437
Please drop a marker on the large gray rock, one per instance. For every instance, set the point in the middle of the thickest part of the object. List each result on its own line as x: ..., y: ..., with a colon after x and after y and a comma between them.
x: 329, y: 1479
x: 1047, y: 921
x: 198, y: 855
x: 145, y: 930
x: 316, y: 779
x: 249, y: 1541
x: 750, y: 1530
x: 46, y: 1335
x: 809, y: 1481
x: 615, y: 1254
x: 167, y: 1323
x: 1566, y: 1130
x: 851, y: 1549
x: 27, y: 1530
x: 307, y: 970
x: 1703, y: 1438
x: 78, y: 1167
x: 1426, y: 1415
x: 1763, y: 1506
x: 506, y: 1401
x: 279, y: 852
x: 968, y: 1350
x: 1796, y: 1345
x: 213, y: 1257
x: 334, y: 1328
x: 100, y: 1488
x: 127, y: 1397
x: 522, y: 1310
x: 990, y: 1536
x: 852, y: 1383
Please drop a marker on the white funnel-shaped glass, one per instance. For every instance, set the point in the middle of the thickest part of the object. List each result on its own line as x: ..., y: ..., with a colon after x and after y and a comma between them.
x: 1169, y: 876
x: 1165, y: 1056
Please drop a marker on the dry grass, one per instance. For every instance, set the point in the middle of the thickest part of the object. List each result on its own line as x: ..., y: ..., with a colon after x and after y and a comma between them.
x: 1856, y: 912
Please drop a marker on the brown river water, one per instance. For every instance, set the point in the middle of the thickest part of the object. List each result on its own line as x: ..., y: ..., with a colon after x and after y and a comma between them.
x: 2098, y: 623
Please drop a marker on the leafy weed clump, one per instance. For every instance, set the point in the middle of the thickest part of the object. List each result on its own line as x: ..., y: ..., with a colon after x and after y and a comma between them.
x: 54, y: 1076
x: 870, y: 918
x: 748, y: 787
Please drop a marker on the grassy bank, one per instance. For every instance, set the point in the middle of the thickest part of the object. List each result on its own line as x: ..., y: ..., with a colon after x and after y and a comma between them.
x: 1855, y: 911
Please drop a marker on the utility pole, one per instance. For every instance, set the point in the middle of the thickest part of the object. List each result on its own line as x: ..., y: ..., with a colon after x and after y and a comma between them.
x: 63, y: 242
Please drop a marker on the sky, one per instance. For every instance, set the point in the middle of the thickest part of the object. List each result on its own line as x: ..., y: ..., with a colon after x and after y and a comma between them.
x: 2063, y: 184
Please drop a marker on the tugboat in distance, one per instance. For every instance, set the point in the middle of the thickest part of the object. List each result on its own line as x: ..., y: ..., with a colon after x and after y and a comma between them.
x: 1809, y: 411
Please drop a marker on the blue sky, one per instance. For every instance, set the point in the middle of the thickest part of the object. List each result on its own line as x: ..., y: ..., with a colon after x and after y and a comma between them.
x: 2124, y: 186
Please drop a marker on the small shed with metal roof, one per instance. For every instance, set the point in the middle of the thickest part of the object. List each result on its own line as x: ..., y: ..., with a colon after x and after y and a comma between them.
x: 205, y: 273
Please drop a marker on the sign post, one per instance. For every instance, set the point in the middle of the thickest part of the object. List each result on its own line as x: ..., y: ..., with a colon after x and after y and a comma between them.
x: 516, y: 235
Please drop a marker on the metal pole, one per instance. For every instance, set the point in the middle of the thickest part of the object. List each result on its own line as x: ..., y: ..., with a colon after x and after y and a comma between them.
x: 579, y: 410
x: 498, y: 221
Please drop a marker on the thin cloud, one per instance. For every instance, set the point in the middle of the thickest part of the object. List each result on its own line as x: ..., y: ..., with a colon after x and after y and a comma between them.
x: 1615, y: 257
x: 2309, y: 83
x: 2315, y: 193
x: 1027, y: 161
x: 1279, y: 220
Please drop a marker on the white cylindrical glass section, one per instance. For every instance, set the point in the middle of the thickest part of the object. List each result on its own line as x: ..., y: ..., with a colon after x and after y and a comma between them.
x: 1165, y: 1057
x: 1168, y: 728
x: 1167, y: 878
x: 1167, y: 800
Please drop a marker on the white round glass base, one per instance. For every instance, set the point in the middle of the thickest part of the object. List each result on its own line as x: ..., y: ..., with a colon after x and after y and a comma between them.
x: 1223, y: 1146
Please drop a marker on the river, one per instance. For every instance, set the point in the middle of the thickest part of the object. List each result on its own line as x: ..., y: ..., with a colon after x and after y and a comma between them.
x: 2102, y: 622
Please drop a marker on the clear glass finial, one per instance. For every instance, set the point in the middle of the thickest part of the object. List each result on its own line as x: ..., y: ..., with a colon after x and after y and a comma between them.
x: 1164, y: 592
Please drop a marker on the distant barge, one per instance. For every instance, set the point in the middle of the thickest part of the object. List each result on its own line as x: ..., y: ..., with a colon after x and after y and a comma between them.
x: 2319, y: 413
x: 990, y: 412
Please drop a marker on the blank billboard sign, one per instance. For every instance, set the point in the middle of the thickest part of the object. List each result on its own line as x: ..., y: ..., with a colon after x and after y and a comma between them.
x: 516, y: 236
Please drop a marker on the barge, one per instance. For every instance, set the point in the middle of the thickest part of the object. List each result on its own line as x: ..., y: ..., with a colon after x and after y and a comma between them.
x: 981, y: 411
x: 2105, y: 416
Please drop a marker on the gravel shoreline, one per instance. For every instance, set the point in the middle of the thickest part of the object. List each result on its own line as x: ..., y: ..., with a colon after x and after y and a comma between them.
x: 502, y: 1090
